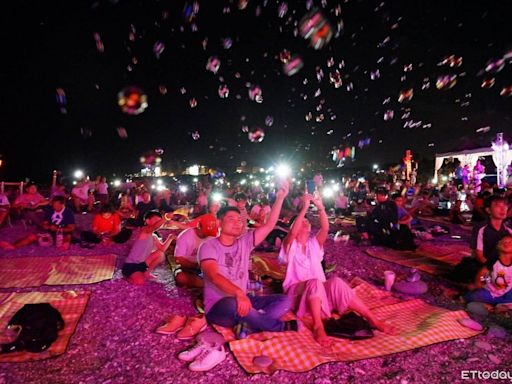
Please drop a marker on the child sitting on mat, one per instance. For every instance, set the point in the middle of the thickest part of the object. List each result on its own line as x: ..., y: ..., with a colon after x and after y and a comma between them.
x: 495, y: 286
x: 147, y: 250
x: 305, y: 282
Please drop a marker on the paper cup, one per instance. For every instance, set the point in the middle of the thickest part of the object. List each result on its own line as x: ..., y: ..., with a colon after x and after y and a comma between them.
x: 389, y: 279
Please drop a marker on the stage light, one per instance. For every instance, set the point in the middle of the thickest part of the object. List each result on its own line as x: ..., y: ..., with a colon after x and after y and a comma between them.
x: 328, y: 192
x: 375, y: 167
x: 216, y: 196
x: 183, y: 188
x: 336, y: 187
x: 159, y: 182
x: 78, y: 174
x: 243, y: 181
x: 283, y: 171
x: 117, y: 183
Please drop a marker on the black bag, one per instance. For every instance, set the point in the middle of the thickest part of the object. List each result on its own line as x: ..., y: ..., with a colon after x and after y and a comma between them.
x: 349, y: 326
x: 40, y: 325
x: 465, y: 272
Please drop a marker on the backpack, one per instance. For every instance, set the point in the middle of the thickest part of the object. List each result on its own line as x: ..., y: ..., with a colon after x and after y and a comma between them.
x: 40, y: 325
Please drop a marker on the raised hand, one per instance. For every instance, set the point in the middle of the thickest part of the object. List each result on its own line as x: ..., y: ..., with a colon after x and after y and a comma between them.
x: 284, y: 188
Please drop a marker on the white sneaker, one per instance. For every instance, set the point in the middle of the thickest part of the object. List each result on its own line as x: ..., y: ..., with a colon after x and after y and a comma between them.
x: 208, y: 359
x: 194, y: 351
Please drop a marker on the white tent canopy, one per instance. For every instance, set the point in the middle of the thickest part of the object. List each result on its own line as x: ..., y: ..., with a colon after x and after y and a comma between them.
x: 468, y: 157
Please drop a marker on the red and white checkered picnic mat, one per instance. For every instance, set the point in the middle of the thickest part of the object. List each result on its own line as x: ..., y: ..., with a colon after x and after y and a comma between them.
x: 418, y: 324
x: 22, y: 272
x: 70, y: 304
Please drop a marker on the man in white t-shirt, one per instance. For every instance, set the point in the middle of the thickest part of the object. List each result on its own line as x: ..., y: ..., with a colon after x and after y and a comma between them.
x: 187, y: 271
x: 82, y: 197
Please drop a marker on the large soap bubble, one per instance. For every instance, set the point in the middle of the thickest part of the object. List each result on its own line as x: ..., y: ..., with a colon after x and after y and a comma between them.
x: 132, y: 100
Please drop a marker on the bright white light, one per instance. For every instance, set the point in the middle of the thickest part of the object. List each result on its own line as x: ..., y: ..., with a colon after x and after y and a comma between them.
x: 262, y: 169
x: 79, y: 174
x: 336, y: 187
x: 328, y: 192
x: 195, y: 179
x: 193, y: 170
x: 267, y: 178
x: 375, y: 166
x: 216, y: 196
x: 256, y: 182
x: 272, y: 185
x: 283, y: 170
x: 159, y: 182
x: 153, y: 186
x: 160, y: 188
x: 117, y: 183
x: 444, y: 178
x: 271, y: 169
x: 243, y: 181
x: 332, y: 181
x: 183, y: 188
x: 74, y: 182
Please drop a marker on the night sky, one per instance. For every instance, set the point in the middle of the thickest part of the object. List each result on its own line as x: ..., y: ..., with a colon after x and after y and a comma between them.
x: 51, y: 44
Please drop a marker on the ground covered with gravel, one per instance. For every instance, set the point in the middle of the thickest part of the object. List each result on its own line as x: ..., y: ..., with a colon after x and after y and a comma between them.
x: 115, y: 341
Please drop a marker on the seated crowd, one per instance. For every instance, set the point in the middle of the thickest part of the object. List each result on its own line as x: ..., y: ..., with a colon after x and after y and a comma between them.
x: 213, y: 250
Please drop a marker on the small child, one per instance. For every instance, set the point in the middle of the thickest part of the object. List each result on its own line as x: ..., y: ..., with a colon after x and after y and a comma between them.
x: 147, y: 250
x: 499, y: 289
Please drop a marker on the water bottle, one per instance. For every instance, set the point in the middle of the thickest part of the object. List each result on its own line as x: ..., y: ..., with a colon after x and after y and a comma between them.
x: 59, y: 238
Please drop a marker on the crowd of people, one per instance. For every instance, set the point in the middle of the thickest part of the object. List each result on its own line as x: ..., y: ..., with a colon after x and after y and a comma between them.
x: 218, y: 230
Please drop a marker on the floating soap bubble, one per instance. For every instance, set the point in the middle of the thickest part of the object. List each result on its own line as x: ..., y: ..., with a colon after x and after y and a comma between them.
x: 223, y: 91
x: 335, y: 78
x: 62, y: 101
x: 408, y: 68
x: 319, y: 74
x: 245, y: 128
x: 269, y: 121
x: 405, y: 95
x: 495, y: 66
x: 150, y: 159
x: 315, y: 27
x: 195, y: 135
x: 330, y: 62
x: 452, y: 60
x: 121, y: 132
x: 374, y: 75
x: 483, y: 129
x: 158, y: 48
x: 350, y: 86
x: 256, y: 135
x: 388, y: 115
x: 320, y: 118
x: 132, y: 100
x: 446, y: 82
x: 183, y: 90
x: 293, y: 66
x: 255, y: 93
x: 227, y: 43
x: 282, y: 9
x: 285, y: 56
x: 159, y: 151
x: 162, y: 89
x: 99, y: 43
x: 308, y: 116
x: 488, y: 83
x: 193, y: 102
x: 213, y: 64
x: 506, y: 91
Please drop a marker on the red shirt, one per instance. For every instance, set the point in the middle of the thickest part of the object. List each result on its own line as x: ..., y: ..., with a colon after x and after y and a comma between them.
x: 110, y: 225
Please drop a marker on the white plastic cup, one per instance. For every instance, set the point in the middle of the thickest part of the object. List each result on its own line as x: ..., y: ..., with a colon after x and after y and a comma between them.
x: 389, y: 279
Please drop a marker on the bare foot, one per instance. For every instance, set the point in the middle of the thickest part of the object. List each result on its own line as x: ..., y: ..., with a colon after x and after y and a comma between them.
x: 385, y: 327
x: 7, y: 246
x: 321, y: 337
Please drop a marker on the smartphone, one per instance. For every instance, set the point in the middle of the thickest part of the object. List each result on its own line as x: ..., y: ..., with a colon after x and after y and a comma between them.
x: 310, y: 186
